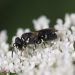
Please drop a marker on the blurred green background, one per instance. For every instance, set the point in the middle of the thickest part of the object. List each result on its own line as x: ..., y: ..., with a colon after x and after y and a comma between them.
x: 20, y: 13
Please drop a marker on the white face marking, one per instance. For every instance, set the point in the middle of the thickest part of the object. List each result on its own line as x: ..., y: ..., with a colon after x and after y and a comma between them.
x: 27, y: 40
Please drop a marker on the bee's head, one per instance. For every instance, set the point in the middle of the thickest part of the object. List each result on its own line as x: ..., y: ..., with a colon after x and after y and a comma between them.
x: 18, y: 43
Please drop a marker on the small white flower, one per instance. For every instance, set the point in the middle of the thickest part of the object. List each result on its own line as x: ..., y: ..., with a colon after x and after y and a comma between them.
x: 19, y: 32
x: 4, y: 47
x: 11, y: 67
x: 3, y: 36
x: 27, y: 30
x: 41, y: 23
x: 67, y: 23
x: 72, y: 16
x: 59, y: 22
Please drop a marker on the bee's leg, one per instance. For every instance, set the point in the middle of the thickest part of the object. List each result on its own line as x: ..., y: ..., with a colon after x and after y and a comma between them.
x: 11, y: 49
x: 11, y: 52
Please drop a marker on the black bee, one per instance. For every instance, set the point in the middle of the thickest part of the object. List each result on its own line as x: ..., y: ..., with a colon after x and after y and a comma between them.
x: 35, y: 38
x: 47, y: 34
x: 38, y: 36
x: 30, y: 38
x: 18, y: 43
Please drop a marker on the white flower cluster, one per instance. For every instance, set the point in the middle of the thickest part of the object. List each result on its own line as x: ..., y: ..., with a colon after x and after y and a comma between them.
x: 57, y: 58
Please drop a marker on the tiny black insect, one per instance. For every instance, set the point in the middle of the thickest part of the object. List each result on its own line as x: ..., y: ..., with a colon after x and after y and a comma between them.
x: 18, y: 43
x: 30, y: 38
x: 35, y: 38
x: 47, y: 34
x: 38, y: 36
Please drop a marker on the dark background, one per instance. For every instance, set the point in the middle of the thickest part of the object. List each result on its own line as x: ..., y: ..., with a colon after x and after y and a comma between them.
x: 20, y: 13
